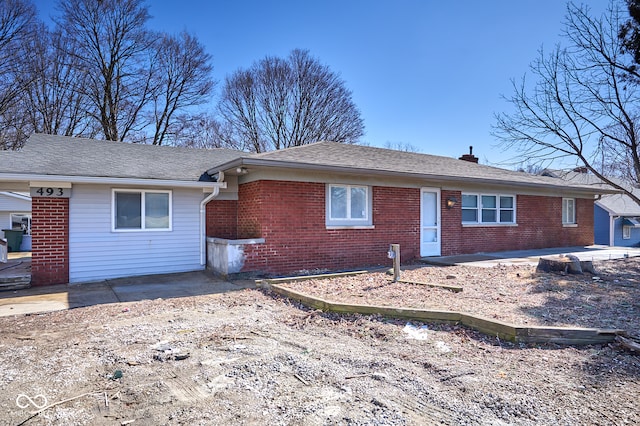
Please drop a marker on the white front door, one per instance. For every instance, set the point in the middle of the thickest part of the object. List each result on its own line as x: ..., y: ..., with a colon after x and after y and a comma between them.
x: 430, y: 222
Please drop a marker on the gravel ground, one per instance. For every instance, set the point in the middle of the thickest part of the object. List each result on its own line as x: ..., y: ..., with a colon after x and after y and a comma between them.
x: 514, y: 294
x: 251, y: 358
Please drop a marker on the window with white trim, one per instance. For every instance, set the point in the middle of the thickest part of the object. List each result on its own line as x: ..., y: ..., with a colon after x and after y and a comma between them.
x: 488, y: 208
x: 141, y: 210
x: 626, y: 232
x: 21, y: 222
x: 568, y: 211
x: 348, y: 205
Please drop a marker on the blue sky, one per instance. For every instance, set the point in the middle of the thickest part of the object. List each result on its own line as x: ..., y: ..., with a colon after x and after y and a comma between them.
x: 429, y: 73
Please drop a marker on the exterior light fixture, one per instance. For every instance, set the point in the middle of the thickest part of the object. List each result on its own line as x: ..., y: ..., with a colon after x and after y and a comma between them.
x: 242, y: 170
x: 451, y: 201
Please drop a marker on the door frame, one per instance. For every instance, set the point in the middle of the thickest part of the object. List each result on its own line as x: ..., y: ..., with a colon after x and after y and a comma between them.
x: 435, y: 249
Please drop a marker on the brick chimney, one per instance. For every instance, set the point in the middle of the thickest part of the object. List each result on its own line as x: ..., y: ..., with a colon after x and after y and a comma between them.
x: 469, y: 157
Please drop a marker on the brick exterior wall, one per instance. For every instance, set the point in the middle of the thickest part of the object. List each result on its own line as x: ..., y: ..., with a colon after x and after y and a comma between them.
x: 50, y: 241
x: 290, y: 216
x: 539, y: 225
x: 222, y: 219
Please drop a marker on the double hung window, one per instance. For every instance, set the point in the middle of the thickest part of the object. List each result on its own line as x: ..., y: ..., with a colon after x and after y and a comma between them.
x: 568, y: 211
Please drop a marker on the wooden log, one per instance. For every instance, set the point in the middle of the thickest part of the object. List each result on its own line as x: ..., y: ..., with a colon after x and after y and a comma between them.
x: 453, y: 288
x: 628, y: 344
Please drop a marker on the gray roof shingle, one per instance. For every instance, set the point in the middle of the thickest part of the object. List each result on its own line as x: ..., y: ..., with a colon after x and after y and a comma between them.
x: 618, y: 204
x: 368, y: 159
x: 67, y: 156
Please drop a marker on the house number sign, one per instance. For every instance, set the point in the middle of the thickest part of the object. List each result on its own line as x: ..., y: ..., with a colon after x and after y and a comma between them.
x: 54, y: 192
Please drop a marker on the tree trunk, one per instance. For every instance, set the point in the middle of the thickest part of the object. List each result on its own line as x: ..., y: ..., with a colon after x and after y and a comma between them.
x: 567, y: 264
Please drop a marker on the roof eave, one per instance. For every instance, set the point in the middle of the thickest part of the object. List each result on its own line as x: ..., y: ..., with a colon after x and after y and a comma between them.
x: 245, y: 161
x: 19, y: 177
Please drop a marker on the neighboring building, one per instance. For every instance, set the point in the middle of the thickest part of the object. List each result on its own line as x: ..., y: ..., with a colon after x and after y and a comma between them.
x: 15, y: 214
x: 616, y: 216
x: 108, y: 209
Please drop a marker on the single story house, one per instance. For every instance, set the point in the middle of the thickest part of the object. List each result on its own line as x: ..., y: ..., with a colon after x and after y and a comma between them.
x: 110, y: 209
x: 616, y: 217
x: 15, y: 215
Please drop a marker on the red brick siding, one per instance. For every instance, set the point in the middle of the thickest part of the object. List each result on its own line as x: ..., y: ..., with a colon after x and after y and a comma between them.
x: 539, y: 222
x: 50, y: 241
x: 222, y: 219
x: 290, y: 216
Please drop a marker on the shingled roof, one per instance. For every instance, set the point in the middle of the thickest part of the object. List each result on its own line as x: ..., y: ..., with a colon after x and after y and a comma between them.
x: 49, y: 155
x: 67, y: 156
x: 332, y: 156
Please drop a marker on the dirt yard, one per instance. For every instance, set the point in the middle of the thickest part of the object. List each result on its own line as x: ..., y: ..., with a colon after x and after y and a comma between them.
x: 251, y: 358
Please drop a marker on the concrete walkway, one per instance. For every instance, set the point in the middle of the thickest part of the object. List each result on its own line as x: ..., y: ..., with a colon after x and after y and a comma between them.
x: 531, y: 257
x: 166, y: 286
x: 54, y: 298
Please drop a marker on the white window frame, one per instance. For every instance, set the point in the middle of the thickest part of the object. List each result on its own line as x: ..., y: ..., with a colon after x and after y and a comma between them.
x: 626, y: 232
x: 566, y: 220
x: 497, y: 208
x: 28, y: 214
x: 348, y: 221
x: 143, y: 193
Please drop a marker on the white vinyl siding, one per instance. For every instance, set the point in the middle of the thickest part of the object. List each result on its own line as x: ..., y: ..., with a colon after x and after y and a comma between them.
x: 96, y: 252
x: 13, y: 205
x: 568, y: 211
x: 488, y: 209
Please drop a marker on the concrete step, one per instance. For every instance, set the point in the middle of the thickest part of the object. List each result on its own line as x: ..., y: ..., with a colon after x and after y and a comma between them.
x: 17, y: 282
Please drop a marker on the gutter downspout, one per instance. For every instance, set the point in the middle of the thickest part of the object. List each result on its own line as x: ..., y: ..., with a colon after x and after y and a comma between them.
x: 203, y: 215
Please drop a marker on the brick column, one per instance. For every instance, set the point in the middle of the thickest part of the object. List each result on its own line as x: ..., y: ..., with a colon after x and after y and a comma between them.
x: 50, y: 241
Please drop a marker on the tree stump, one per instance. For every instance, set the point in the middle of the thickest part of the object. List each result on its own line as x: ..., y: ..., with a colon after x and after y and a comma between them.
x: 567, y: 264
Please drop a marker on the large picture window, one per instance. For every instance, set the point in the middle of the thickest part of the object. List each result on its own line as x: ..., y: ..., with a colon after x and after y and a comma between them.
x: 141, y: 210
x: 348, y: 205
x: 488, y: 208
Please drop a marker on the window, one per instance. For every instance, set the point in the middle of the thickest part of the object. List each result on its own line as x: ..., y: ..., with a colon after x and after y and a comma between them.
x: 568, y: 211
x: 488, y: 208
x: 626, y: 232
x: 348, y: 205
x: 21, y: 222
x: 135, y: 210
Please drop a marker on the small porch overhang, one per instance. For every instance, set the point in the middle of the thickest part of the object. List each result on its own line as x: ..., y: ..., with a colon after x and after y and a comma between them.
x: 631, y: 221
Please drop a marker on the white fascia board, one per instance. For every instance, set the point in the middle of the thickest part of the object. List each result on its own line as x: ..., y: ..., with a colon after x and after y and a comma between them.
x: 111, y: 181
x: 16, y: 195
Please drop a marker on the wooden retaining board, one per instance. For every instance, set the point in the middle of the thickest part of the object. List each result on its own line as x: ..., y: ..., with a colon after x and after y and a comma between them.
x: 490, y: 327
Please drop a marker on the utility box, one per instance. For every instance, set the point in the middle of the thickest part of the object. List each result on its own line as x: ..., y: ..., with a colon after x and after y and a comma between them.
x: 14, y: 239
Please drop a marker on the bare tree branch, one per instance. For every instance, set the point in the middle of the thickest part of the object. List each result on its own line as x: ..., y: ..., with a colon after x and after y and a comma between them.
x: 584, y: 103
x: 280, y: 103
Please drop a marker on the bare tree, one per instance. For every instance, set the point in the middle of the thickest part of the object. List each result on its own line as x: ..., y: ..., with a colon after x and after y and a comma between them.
x: 401, y: 146
x: 114, y: 49
x: 202, y: 130
x: 54, y: 100
x: 584, y: 103
x: 17, y: 21
x: 184, y: 81
x: 280, y: 103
